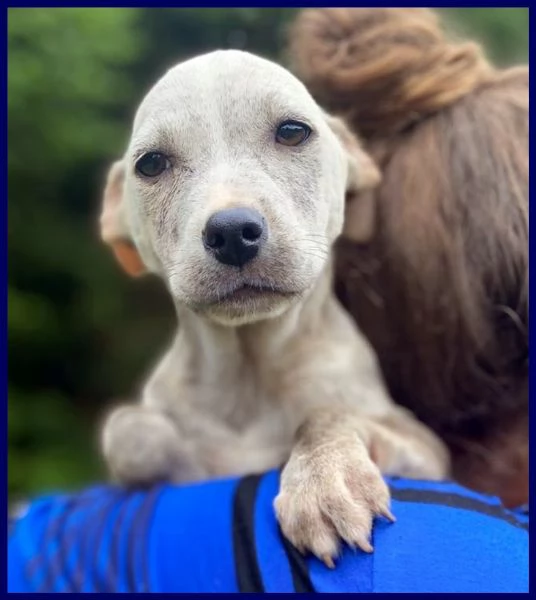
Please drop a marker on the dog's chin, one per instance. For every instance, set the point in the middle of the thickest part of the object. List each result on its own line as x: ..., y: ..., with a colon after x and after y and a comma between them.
x: 246, y: 305
x: 236, y: 315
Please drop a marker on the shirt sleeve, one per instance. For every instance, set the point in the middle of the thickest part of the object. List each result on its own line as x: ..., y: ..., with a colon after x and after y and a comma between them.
x: 222, y: 536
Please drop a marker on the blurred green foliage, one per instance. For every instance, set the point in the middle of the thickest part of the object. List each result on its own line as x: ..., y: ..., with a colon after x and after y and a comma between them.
x: 82, y: 335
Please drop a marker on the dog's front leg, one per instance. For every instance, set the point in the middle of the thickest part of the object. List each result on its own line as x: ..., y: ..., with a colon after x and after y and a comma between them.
x: 332, y: 486
x: 142, y: 446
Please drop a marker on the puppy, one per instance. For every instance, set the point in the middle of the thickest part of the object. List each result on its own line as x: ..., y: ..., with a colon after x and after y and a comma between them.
x: 232, y: 190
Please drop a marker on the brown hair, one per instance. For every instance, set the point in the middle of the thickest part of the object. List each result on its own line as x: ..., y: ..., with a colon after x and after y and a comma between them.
x: 441, y: 287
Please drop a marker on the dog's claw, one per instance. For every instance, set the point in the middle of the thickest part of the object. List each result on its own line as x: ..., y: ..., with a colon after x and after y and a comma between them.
x: 366, y: 546
x: 328, y: 561
x: 388, y: 515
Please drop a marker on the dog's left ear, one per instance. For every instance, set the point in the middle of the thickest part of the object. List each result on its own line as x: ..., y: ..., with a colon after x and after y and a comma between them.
x: 113, y: 223
x: 363, y: 177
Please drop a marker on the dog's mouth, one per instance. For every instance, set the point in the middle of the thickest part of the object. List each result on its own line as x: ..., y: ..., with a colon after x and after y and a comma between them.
x: 243, y: 303
x: 248, y: 292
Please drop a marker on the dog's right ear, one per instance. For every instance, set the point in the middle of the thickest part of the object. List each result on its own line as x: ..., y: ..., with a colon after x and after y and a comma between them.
x: 363, y: 174
x: 113, y: 223
x: 363, y: 177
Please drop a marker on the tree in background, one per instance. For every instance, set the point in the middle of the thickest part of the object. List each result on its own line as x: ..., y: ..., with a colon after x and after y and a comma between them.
x: 67, y: 86
x: 80, y: 333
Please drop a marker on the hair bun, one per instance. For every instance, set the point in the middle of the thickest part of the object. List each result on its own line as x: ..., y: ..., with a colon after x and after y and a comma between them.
x: 382, y: 68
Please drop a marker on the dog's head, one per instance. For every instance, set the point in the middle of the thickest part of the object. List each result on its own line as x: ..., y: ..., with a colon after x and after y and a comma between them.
x: 233, y: 187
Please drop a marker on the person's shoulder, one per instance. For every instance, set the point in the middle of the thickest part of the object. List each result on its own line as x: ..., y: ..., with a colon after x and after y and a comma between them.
x: 446, y: 539
x: 449, y: 538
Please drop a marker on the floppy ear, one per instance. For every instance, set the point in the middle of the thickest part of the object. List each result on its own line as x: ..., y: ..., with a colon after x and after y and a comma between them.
x: 363, y: 177
x: 113, y: 223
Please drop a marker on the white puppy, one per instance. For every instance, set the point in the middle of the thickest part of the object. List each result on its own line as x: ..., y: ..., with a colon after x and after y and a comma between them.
x: 233, y: 191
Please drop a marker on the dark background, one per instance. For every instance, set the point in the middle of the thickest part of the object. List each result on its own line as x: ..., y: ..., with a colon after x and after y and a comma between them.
x: 81, y: 334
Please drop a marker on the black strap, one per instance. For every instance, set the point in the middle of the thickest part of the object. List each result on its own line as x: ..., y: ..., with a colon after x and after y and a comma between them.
x: 248, y: 574
x: 456, y: 501
x: 298, y: 568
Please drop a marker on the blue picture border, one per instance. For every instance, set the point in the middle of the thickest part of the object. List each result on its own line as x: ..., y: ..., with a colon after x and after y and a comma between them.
x: 162, y: 4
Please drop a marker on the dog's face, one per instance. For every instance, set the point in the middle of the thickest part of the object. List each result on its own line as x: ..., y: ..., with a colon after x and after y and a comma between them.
x: 233, y: 186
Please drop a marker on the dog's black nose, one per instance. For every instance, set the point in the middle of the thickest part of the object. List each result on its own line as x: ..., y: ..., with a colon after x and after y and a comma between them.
x: 234, y: 236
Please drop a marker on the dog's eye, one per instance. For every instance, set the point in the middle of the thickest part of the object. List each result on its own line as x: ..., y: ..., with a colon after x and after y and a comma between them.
x: 292, y: 133
x: 152, y: 164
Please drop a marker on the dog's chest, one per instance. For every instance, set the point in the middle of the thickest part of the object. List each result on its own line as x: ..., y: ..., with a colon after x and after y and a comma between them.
x: 250, y: 401
x: 256, y: 433
x: 230, y: 401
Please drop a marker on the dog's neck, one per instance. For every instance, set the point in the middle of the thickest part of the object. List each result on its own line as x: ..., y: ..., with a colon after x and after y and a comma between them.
x: 259, y: 340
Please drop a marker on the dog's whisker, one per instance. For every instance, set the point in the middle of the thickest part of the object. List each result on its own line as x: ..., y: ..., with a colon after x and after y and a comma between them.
x: 315, y: 255
x: 314, y: 252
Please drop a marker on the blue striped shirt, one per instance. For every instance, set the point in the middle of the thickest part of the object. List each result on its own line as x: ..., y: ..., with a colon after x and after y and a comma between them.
x: 222, y: 536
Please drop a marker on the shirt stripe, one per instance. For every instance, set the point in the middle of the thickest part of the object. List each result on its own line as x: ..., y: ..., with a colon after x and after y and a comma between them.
x: 247, y: 568
x: 440, y: 498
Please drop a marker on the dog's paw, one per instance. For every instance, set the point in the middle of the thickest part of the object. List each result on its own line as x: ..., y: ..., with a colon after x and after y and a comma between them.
x: 141, y: 447
x: 330, y: 494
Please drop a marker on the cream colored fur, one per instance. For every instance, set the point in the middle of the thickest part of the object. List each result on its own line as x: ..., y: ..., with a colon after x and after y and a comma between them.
x: 281, y: 377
